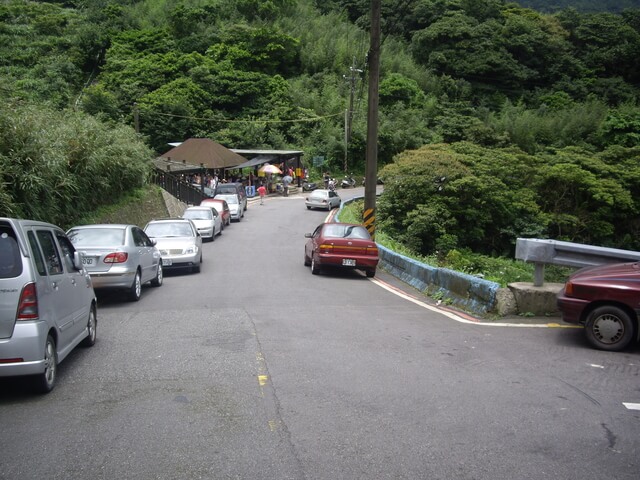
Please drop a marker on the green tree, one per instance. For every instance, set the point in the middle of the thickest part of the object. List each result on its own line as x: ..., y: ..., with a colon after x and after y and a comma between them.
x: 459, y: 196
x: 57, y: 165
x: 261, y: 49
x: 621, y: 127
x: 584, y: 197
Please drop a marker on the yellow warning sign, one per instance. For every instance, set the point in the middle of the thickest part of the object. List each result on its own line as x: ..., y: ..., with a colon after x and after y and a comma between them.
x: 369, y: 220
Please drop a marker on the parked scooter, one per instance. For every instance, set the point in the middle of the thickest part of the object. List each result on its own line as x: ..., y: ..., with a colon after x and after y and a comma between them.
x: 348, y: 182
x: 309, y: 186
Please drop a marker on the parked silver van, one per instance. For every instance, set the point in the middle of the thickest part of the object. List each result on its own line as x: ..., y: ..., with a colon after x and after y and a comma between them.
x: 47, y: 302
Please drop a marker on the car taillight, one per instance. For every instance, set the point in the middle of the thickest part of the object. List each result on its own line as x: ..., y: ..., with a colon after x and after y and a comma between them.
x: 28, y: 304
x: 372, y: 250
x: 117, y: 257
x: 326, y: 246
x: 11, y: 360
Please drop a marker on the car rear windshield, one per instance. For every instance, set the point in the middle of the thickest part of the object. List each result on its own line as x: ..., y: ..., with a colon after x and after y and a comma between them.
x: 169, y: 229
x: 231, y: 199
x: 204, y: 214
x: 10, y: 258
x: 226, y: 189
x: 96, y: 237
x: 346, y: 231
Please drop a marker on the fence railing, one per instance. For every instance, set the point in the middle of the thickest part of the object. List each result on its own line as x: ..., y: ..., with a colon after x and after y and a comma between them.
x: 554, y: 252
x: 182, y: 191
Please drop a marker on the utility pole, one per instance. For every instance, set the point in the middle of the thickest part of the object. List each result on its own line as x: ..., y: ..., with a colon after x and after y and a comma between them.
x: 136, y: 117
x: 371, y: 165
x: 348, y: 118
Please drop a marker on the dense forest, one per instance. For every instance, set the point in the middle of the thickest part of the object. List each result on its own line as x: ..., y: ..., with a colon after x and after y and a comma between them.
x: 591, y: 6
x: 496, y: 121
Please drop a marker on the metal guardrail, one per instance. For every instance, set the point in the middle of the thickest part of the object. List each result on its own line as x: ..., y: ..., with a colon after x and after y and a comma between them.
x: 554, y: 252
x: 176, y: 187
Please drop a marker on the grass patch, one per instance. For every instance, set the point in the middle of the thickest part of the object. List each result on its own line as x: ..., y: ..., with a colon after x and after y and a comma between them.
x: 136, y: 208
x: 496, y: 269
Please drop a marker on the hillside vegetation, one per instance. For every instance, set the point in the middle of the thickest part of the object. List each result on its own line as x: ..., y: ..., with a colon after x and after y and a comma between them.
x: 496, y: 121
x: 550, y: 6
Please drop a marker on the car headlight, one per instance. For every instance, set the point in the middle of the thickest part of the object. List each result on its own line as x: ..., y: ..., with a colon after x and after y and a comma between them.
x: 191, y: 249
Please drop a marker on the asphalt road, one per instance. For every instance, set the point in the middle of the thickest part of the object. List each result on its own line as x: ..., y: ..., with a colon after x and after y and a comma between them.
x: 256, y: 369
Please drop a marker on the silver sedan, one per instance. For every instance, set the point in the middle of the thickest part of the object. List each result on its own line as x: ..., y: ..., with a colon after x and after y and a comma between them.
x: 326, y: 199
x: 206, y: 219
x: 179, y: 242
x: 118, y: 257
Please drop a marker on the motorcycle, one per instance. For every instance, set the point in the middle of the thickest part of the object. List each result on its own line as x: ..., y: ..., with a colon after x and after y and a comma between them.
x: 348, y: 182
x: 309, y: 186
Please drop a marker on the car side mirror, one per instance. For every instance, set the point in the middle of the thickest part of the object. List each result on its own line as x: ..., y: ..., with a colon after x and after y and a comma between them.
x: 77, y: 260
x: 153, y: 242
x: 308, y: 235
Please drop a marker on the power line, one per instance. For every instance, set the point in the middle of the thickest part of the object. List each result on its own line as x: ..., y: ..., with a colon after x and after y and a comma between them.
x: 223, y: 120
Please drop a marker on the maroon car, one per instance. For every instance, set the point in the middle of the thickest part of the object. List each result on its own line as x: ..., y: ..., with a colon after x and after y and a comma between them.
x: 341, y: 245
x: 606, y: 300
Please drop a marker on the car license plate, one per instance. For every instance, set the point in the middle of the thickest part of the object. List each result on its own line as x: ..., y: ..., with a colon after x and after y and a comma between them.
x: 166, y: 262
x: 348, y: 262
x: 87, y: 261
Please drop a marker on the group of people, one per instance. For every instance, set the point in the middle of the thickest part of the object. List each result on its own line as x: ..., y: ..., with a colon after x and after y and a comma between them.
x: 329, y: 182
x: 212, y: 180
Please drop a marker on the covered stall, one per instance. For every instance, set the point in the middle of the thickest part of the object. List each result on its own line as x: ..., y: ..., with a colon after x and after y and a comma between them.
x: 288, y: 161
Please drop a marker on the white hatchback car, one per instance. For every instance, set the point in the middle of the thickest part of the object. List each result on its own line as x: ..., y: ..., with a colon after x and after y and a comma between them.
x: 47, y: 302
x: 235, y: 205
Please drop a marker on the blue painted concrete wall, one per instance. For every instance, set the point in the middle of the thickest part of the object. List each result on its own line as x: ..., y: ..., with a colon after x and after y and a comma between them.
x: 466, y: 291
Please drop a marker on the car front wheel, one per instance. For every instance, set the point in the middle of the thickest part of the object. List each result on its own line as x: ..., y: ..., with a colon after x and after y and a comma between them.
x: 609, y: 328
x: 156, y: 282
x: 196, y: 268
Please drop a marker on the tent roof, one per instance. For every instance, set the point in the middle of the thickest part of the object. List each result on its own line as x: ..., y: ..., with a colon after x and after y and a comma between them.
x: 259, y: 160
x: 196, y: 151
x: 281, y: 153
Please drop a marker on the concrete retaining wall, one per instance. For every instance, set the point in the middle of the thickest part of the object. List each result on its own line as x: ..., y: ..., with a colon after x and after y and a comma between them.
x: 175, y: 207
x: 466, y: 291
x: 460, y: 289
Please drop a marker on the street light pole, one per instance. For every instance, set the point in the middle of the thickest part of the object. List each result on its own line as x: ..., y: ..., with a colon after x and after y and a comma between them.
x: 371, y: 165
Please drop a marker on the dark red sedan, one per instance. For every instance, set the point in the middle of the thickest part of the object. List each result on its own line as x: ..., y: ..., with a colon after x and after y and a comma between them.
x: 341, y: 245
x: 606, y: 300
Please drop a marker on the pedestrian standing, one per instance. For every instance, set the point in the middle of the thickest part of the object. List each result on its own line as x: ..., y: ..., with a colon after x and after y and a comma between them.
x: 262, y: 191
x: 286, y: 180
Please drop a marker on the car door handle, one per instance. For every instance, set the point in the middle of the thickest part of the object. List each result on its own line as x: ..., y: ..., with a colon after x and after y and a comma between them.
x: 54, y: 284
x: 73, y: 281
